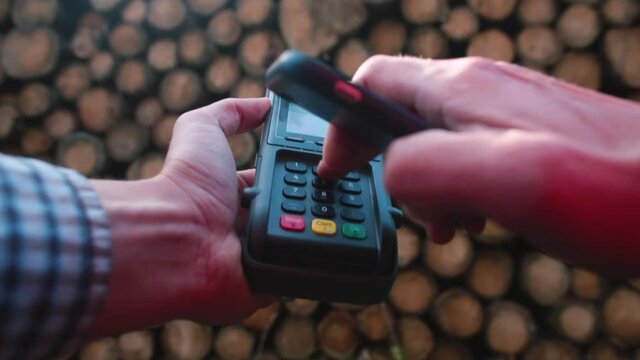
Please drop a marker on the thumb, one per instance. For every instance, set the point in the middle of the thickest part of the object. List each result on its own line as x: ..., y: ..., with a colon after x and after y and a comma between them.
x: 440, y: 174
x: 232, y: 115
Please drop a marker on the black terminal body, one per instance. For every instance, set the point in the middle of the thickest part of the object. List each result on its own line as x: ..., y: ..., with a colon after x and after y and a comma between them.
x: 309, y: 237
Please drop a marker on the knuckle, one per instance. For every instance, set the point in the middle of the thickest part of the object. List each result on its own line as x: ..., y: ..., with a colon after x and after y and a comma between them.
x: 375, y: 64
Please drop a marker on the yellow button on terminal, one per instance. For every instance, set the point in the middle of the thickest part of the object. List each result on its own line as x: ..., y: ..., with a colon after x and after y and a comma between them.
x: 323, y: 227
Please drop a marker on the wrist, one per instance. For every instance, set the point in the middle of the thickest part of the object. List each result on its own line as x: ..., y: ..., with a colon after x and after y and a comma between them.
x: 157, y: 245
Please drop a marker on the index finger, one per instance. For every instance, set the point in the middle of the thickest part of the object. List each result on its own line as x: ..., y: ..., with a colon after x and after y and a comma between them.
x: 388, y: 76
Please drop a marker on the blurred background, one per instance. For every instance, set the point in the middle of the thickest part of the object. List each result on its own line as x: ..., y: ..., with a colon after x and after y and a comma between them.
x: 97, y: 85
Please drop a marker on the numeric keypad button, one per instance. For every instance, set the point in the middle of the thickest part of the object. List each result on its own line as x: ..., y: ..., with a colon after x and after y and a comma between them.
x: 295, y: 166
x: 321, y: 183
x: 351, y: 200
x: 350, y: 187
x: 323, y: 211
x: 352, y: 176
x: 293, y: 192
x: 323, y: 196
x: 294, y: 207
x: 352, y: 215
x: 295, y: 179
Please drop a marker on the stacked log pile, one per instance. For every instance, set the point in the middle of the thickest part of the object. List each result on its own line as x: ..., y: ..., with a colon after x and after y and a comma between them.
x: 96, y: 85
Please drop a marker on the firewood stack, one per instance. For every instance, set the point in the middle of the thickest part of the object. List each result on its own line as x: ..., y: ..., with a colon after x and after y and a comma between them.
x: 96, y: 85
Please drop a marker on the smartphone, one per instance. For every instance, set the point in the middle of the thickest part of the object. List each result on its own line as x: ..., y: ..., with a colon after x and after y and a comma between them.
x: 329, y: 94
x: 309, y: 237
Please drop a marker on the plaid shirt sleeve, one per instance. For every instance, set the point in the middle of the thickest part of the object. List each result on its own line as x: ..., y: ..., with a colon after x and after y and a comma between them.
x: 54, y: 259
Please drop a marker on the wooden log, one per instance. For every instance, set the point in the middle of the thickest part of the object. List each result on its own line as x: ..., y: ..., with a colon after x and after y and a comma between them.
x: 234, y: 343
x: 126, y: 140
x: 315, y: 26
x: 73, y: 80
x: 180, y: 89
x: 205, y: 7
x: 539, y: 45
x: 577, y: 320
x: 621, y: 317
x: 544, y: 279
x: 101, y: 66
x: 193, y: 47
x: 84, y: 43
x: 374, y: 353
x: 98, y: 109
x: 103, y: 349
x: 537, y: 12
x: 243, y: 147
x: 458, y: 313
x: 133, y: 77
x: 587, y: 285
x: 295, y: 338
x: 254, y: 12
x: 347, y: 306
x: 34, y: 100
x: 634, y: 283
x: 95, y: 22
x: 493, y: 44
x: 620, y: 12
x: 127, y: 40
x: 163, y: 130
x: 582, y: 69
x: 36, y: 142
x: 166, y: 15
x: 224, y: 28
x: 32, y: 13
x: 29, y: 54
x: 491, y: 274
x: 135, y: 12
x: 248, y: 88
x: 622, y: 47
x: 186, y: 340
x: 578, y: 26
x: 145, y: 167
x: 428, y: 42
x: 149, y: 111
x: 258, y: 50
x: 493, y: 234
x: 9, y: 116
x: 338, y: 335
x: 408, y: 245
x: 262, y: 319
x: 461, y: 24
x: 136, y: 345
x: 604, y: 350
x: 351, y: 55
x: 301, y: 307
x: 494, y: 10
x: 416, y: 338
x: 423, y: 11
x: 375, y: 322
x: 222, y: 74
x: 446, y: 349
x: 387, y: 36
x: 413, y: 292
x: 83, y: 152
x: 4, y: 10
x: 510, y: 328
x: 163, y: 55
x: 104, y: 5
x: 451, y: 259
x: 552, y: 349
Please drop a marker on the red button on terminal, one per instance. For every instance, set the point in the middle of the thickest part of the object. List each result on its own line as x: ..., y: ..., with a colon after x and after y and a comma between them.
x: 347, y: 92
x: 292, y: 222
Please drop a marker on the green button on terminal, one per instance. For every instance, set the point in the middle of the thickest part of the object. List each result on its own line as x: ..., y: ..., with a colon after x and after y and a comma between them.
x: 354, y: 231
